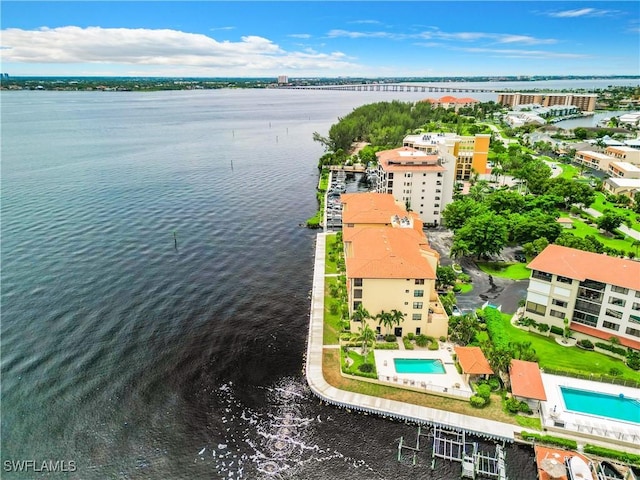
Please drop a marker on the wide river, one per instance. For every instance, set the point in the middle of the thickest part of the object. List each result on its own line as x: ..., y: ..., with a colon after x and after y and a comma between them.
x: 155, y: 290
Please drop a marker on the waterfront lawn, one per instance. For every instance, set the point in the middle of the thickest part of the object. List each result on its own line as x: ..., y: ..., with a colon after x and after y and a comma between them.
x: 532, y: 423
x: 514, y: 271
x: 331, y: 372
x: 601, y: 204
x: 332, y: 321
x: 568, y: 359
x: 330, y: 263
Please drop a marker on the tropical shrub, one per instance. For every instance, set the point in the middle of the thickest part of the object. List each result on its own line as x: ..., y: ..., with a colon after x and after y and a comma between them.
x: 524, y: 407
x: 411, y: 335
x: 407, y: 343
x: 611, y: 348
x: 586, y: 344
x: 633, y: 360
x: 542, y: 327
x: 483, y: 390
x: 557, y: 330
x: 494, y: 383
x: 477, y: 401
x: 422, y: 340
x: 390, y: 338
x: 366, y: 367
x: 512, y: 405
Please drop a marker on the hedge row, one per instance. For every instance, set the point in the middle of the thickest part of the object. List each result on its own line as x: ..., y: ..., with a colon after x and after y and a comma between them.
x: 548, y: 439
x: 612, y: 348
x: 495, y: 327
x: 624, y: 457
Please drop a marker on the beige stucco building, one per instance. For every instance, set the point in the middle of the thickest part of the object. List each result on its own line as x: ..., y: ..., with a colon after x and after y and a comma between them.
x: 390, y: 265
x: 585, y: 102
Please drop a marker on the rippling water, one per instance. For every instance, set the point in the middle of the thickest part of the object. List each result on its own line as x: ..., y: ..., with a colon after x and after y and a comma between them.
x: 155, y: 290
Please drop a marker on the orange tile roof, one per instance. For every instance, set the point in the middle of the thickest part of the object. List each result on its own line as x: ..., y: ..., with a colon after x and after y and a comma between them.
x: 580, y: 265
x: 473, y: 361
x: 594, y: 332
x: 407, y: 158
x: 526, y: 380
x: 387, y: 252
x: 448, y: 99
x: 467, y: 100
x: 369, y: 208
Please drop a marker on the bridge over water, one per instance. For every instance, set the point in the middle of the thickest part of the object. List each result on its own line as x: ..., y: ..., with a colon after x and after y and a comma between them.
x: 391, y: 87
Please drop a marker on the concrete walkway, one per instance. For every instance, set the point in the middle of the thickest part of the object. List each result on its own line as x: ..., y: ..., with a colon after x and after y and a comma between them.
x: 376, y: 405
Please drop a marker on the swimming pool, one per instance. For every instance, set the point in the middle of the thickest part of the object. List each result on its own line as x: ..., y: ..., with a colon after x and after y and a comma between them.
x: 617, y: 407
x: 418, y: 365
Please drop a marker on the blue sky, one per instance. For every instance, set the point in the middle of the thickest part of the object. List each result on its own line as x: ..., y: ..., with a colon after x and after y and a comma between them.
x: 320, y: 38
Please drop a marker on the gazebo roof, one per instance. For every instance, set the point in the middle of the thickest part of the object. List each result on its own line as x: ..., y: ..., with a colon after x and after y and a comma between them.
x: 473, y: 361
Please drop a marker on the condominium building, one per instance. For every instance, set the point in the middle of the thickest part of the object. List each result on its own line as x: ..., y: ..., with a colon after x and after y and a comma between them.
x: 423, y: 181
x: 584, y: 102
x: 598, y: 294
x: 622, y: 186
x: 470, y: 152
x: 390, y: 265
x: 451, y: 102
x: 624, y: 154
x: 623, y: 170
x: 595, y: 160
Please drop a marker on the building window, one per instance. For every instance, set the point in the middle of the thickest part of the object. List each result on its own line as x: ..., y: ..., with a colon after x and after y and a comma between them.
x: 406, y: 291
x: 536, y: 308
x: 611, y: 326
x: 418, y: 293
x: 634, y: 318
x: 556, y: 313
x: 613, y: 313
x: 436, y: 204
x: 438, y: 190
x: 417, y: 330
x: 356, y: 304
x: 416, y: 316
x: 617, y: 301
x: 621, y: 290
x: 560, y: 303
x: 633, y: 331
x: 390, y: 176
x: 541, y: 275
x: 419, y: 281
x: 437, y: 198
x: 635, y: 306
x: 585, y: 318
x: 418, y: 305
x: 562, y: 279
x: 436, y: 212
x: 357, y: 293
x: 357, y: 282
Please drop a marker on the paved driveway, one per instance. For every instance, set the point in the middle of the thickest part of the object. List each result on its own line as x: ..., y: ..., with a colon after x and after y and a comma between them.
x: 498, y: 291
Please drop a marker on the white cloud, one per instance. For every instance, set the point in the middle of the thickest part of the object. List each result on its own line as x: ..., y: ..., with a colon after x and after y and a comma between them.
x: 299, y: 35
x: 511, y: 53
x: 369, y: 22
x: 581, y: 12
x: 169, y: 48
x: 436, y: 34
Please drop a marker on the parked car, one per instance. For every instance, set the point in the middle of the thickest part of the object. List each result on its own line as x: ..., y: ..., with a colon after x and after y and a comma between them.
x: 521, y: 257
x: 455, y: 311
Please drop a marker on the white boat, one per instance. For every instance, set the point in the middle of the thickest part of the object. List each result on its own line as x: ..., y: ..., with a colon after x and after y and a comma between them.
x: 579, y: 470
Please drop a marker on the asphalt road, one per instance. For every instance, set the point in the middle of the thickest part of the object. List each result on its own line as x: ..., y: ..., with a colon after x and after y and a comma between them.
x: 498, y: 291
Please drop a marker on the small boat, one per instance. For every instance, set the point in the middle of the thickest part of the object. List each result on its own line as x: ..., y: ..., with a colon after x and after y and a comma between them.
x: 578, y: 469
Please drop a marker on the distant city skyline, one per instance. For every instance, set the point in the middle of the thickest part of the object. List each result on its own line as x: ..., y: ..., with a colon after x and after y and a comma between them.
x: 320, y: 38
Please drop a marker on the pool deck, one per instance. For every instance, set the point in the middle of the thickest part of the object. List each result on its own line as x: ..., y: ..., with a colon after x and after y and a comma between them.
x: 626, y: 440
x: 583, y: 423
x: 448, y: 382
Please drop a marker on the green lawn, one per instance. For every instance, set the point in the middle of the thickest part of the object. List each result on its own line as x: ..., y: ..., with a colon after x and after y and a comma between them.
x: 601, y: 204
x: 581, y: 229
x: 568, y: 359
x: 568, y: 171
x: 329, y: 261
x: 465, y: 287
x: 332, y: 322
x: 514, y: 271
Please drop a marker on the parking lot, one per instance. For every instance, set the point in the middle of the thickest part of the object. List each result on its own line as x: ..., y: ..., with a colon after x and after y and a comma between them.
x: 498, y: 291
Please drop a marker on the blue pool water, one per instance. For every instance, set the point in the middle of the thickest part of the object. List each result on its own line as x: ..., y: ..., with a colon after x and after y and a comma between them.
x: 418, y: 365
x: 617, y: 407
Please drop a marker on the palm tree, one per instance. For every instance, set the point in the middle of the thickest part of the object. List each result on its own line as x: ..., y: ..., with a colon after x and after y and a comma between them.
x: 636, y: 244
x: 366, y: 335
x: 384, y: 318
x: 360, y: 314
x: 397, y: 317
